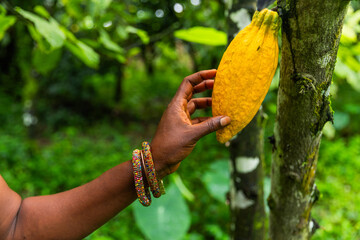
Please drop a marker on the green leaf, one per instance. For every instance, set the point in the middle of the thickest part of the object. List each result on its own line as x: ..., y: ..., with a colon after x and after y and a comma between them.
x: 344, y: 71
x: 122, y: 33
x: 353, y: 79
x: 44, y: 62
x: 341, y: 69
x: 42, y: 11
x: 352, y: 62
x: 133, y: 52
x: 119, y: 57
x: 94, y: 43
x: 98, y: 7
x: 85, y: 53
x: 356, y: 49
x: 50, y: 30
x: 217, y: 179
x: 348, y: 35
x: 5, y: 23
x: 74, y: 8
x: 2, y: 10
x: 168, y: 217
x: 216, y: 231
x: 42, y: 43
x: 141, y: 34
x: 203, y: 35
x: 183, y: 189
x: 352, y: 17
x: 88, y: 22
x: 108, y: 43
x: 351, y: 26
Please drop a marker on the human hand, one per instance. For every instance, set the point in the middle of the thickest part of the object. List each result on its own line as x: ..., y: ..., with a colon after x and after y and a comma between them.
x: 177, y: 133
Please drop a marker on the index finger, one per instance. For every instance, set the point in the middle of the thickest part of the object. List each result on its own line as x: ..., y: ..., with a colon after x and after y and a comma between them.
x: 186, y: 88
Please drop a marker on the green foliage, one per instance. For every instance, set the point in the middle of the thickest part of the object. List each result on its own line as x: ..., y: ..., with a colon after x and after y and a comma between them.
x: 341, y: 120
x: 44, y: 62
x: 158, y: 222
x: 49, y: 164
x: 338, y: 211
x: 141, y: 34
x: 348, y: 62
x: 49, y: 29
x: 108, y: 43
x: 186, y: 193
x: 203, y: 35
x: 5, y: 23
x: 81, y: 50
x: 217, y: 179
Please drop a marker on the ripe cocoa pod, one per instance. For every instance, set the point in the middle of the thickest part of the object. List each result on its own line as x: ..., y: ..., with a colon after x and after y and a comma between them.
x: 245, y: 72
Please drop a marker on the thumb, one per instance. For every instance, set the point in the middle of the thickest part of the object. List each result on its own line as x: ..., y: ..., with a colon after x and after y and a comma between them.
x: 211, y: 125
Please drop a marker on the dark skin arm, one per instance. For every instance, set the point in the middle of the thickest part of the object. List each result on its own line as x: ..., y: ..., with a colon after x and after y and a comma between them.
x: 76, y: 213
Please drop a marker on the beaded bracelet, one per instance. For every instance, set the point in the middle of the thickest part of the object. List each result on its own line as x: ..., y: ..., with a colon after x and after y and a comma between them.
x: 160, y: 181
x: 150, y: 170
x: 156, y: 185
x: 145, y: 170
x: 142, y: 192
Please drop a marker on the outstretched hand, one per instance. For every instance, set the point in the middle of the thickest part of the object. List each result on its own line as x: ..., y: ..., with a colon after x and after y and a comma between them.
x: 177, y: 133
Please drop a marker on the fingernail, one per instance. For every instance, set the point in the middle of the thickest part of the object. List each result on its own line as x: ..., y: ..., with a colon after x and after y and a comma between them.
x: 225, y: 121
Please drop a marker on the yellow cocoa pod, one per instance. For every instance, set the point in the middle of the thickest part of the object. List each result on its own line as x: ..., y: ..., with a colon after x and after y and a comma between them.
x: 245, y: 72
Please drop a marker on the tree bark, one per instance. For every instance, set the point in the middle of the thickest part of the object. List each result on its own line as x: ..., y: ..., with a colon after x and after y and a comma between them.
x: 246, y: 188
x: 246, y: 154
x: 311, y: 32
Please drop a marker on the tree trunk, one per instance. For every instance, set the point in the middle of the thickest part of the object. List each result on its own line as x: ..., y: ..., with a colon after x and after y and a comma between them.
x: 246, y: 154
x: 311, y: 32
x: 246, y: 189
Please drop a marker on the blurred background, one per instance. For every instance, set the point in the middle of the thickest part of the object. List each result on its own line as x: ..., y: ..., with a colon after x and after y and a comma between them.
x: 82, y: 83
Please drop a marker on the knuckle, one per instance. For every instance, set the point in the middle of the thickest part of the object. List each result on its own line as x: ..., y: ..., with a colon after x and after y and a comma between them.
x: 206, y: 84
x: 211, y: 126
x: 188, y: 79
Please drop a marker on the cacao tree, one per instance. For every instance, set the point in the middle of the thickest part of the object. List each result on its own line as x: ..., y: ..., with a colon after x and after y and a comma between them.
x: 311, y: 31
x: 246, y: 153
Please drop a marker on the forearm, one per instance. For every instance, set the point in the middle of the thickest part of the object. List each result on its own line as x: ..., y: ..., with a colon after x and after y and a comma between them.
x: 76, y: 213
x: 10, y: 202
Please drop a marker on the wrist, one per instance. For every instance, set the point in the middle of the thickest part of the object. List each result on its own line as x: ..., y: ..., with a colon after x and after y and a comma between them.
x: 162, y: 169
x: 162, y: 172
